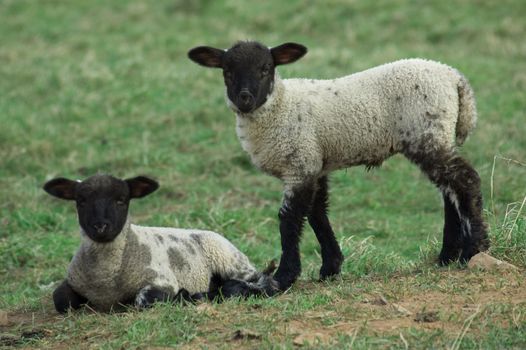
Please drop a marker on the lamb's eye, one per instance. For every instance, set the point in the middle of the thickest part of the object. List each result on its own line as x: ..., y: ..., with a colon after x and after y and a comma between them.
x: 228, y: 74
x: 121, y: 201
x: 265, y: 71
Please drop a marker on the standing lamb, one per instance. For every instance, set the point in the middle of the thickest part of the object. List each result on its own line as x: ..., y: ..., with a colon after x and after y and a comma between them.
x: 122, y: 263
x: 299, y: 130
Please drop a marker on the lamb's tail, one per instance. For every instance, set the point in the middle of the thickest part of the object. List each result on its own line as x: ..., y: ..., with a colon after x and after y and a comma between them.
x: 467, y: 111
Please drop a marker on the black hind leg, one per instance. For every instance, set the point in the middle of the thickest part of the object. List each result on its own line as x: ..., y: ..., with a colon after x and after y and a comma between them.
x: 150, y: 295
x: 464, y: 229
x: 232, y: 288
x: 331, y: 254
x: 452, y: 244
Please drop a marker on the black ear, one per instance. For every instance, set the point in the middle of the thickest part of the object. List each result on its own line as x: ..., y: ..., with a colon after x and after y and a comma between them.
x: 141, y: 186
x: 61, y: 188
x: 287, y: 53
x: 207, y: 56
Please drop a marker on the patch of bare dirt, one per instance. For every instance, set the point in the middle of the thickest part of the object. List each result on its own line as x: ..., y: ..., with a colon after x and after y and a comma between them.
x: 400, y: 304
x: 457, y: 296
x: 19, y: 327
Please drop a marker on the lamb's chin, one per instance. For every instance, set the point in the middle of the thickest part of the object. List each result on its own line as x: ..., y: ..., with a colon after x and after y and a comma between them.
x: 236, y: 109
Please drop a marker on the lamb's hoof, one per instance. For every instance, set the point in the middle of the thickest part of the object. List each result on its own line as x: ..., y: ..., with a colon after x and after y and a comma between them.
x: 273, y: 288
x: 332, y: 268
x: 461, y: 255
x: 446, y: 257
x: 445, y: 261
x: 329, y: 272
x: 285, y: 280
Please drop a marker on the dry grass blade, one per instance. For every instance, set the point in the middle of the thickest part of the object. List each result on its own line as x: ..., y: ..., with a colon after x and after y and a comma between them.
x: 465, y: 327
x: 492, y: 194
x: 355, y: 333
x: 516, y: 218
x: 406, y: 344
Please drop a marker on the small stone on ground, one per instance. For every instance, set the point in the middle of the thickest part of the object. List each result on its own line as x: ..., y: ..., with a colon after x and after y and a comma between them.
x: 485, y: 261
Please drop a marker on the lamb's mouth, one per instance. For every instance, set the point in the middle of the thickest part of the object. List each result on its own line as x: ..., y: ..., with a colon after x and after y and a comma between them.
x: 239, y: 112
x: 245, y: 110
x: 104, y: 238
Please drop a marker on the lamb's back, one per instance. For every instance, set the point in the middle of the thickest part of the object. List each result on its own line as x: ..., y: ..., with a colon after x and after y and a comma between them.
x: 191, y: 257
x: 365, y: 117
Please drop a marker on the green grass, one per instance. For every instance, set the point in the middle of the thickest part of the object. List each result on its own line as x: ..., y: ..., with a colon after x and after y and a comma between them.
x: 106, y: 86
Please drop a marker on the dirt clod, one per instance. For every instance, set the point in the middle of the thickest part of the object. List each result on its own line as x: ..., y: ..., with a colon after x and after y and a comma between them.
x: 426, y: 316
x: 245, y: 334
x: 35, y: 334
x: 9, y: 340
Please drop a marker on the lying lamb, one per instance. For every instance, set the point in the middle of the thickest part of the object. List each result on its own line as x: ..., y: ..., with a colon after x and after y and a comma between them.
x: 299, y: 130
x: 121, y: 263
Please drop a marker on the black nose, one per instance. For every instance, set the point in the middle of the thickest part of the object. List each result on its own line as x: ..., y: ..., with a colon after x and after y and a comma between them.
x: 100, y: 227
x: 246, y: 100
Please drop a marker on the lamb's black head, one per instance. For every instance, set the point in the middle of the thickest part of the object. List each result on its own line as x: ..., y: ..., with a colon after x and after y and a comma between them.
x: 248, y: 69
x: 102, y: 201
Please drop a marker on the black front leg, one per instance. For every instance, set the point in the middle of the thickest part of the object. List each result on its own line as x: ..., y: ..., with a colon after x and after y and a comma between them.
x: 296, y: 205
x: 331, y: 254
x: 65, y: 297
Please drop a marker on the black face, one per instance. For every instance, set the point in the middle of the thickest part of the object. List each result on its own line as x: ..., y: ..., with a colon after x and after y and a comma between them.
x: 102, y: 201
x: 248, y: 69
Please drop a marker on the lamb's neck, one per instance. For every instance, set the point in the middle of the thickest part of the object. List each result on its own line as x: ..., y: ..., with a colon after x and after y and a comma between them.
x: 96, y: 267
x: 260, y: 129
x: 272, y: 105
x: 255, y: 124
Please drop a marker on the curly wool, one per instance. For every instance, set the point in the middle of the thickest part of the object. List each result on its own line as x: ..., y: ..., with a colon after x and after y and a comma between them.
x: 308, y: 127
x: 168, y: 258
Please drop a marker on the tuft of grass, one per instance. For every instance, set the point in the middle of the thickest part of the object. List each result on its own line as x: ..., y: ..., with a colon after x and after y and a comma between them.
x: 508, y: 231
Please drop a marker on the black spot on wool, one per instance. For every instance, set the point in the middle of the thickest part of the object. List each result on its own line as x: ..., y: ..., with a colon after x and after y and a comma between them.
x: 177, y: 260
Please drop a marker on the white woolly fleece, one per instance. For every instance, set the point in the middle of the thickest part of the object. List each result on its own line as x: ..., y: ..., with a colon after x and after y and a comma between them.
x: 167, y: 258
x: 309, y: 128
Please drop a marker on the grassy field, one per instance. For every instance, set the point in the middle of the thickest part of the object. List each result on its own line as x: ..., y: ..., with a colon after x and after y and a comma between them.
x: 88, y: 86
